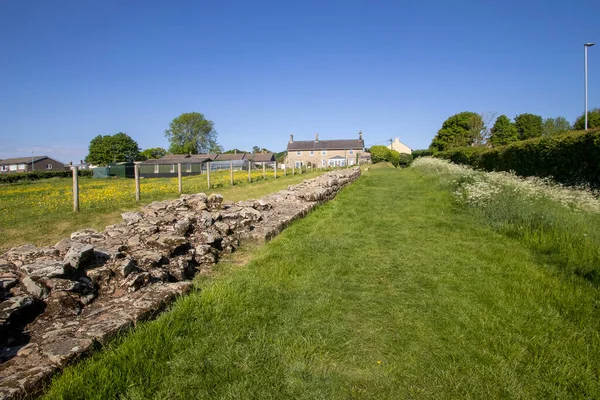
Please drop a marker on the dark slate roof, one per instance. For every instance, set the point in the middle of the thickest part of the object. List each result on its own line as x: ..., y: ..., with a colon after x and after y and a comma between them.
x: 262, y: 157
x: 230, y: 157
x: 181, y: 158
x: 22, y: 160
x: 345, y: 144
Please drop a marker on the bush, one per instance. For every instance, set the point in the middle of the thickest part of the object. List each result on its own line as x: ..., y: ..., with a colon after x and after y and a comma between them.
x: 379, y: 154
x: 571, y: 158
x: 422, y: 153
x: 405, y: 160
x: 36, y: 175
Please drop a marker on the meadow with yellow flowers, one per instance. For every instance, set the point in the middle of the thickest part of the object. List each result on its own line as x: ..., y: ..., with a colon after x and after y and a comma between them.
x: 41, y: 212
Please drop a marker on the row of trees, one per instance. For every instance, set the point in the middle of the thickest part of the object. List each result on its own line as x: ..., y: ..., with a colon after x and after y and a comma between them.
x: 472, y: 129
x: 190, y: 133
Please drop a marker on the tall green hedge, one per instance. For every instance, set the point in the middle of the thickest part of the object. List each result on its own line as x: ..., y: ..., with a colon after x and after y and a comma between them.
x: 35, y: 175
x: 571, y: 158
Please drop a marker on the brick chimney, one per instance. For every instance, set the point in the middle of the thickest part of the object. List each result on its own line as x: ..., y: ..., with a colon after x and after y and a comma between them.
x: 291, y: 138
x: 317, y: 138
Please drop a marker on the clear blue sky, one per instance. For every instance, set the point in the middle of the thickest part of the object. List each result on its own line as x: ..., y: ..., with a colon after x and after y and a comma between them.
x: 70, y: 70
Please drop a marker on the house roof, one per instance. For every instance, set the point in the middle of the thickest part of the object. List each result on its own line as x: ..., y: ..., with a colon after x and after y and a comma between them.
x: 262, y: 157
x: 344, y: 144
x: 25, y: 160
x: 180, y: 158
x: 230, y: 157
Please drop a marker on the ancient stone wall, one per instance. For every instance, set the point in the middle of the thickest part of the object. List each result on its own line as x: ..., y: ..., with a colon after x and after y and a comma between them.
x: 58, y: 303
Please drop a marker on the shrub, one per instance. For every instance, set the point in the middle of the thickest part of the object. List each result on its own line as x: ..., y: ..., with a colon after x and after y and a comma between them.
x: 571, y: 158
x: 422, y: 153
x: 379, y: 154
x: 405, y: 160
x: 394, y: 158
x: 36, y: 175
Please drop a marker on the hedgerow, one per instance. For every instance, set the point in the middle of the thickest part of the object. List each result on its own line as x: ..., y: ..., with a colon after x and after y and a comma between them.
x: 571, y: 158
x: 36, y: 175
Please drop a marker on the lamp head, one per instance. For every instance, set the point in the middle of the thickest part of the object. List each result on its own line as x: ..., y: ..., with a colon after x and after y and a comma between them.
x: 589, y: 44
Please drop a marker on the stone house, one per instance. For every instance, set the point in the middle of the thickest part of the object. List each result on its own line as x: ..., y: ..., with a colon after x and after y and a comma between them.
x: 34, y: 163
x: 399, y: 147
x: 324, y: 153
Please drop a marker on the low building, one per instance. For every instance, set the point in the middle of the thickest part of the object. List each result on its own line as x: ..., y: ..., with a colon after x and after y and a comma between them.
x: 191, y: 164
x: 399, y: 147
x: 324, y: 153
x: 27, y: 164
x: 262, y: 158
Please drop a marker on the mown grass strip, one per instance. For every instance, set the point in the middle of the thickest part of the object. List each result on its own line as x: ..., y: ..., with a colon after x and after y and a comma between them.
x: 385, y: 292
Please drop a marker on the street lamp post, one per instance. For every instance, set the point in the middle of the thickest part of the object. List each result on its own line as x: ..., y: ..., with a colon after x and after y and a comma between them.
x: 585, y: 50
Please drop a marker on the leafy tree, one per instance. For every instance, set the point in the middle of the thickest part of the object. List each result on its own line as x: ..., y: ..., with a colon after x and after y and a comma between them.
x: 108, y: 149
x: 593, y: 120
x: 235, y: 151
x: 280, y: 157
x: 153, y: 153
x: 554, y: 126
x: 459, y: 130
x: 503, y: 132
x: 528, y: 126
x: 379, y: 154
x: 258, y: 149
x: 192, y: 133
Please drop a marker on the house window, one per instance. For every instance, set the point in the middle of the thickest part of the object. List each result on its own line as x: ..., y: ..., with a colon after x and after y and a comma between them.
x: 4, y: 168
x: 323, y: 163
x: 351, y: 152
x: 13, y: 167
x: 156, y: 168
x: 21, y: 166
x: 298, y: 153
x: 323, y: 152
x: 312, y: 152
x: 298, y: 164
x: 188, y: 168
x: 172, y: 168
x: 49, y: 166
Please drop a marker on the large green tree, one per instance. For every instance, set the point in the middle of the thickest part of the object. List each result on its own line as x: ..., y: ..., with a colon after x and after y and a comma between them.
x: 108, y: 149
x: 461, y: 129
x: 503, y: 132
x: 528, y: 126
x: 191, y: 133
x: 554, y: 126
x: 593, y: 120
x: 153, y: 153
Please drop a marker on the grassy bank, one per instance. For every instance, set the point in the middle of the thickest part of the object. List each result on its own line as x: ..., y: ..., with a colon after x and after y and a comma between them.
x: 388, y: 291
x: 560, y: 223
x: 41, y: 212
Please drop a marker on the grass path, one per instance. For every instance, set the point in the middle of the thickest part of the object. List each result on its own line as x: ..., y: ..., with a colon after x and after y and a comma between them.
x: 385, y: 292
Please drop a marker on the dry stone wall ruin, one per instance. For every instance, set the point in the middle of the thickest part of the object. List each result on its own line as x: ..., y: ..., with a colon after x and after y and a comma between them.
x: 58, y: 303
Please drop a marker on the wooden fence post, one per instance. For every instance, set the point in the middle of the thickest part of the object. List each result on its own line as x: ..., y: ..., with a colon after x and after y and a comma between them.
x: 264, y: 171
x: 294, y: 169
x: 136, y: 174
x: 300, y: 169
x: 179, y: 178
x: 275, y: 170
x: 75, y: 189
x: 249, y: 177
x: 208, y: 173
x: 231, y: 173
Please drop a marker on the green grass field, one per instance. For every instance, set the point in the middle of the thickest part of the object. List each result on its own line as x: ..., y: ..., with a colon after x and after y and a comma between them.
x: 41, y: 212
x: 390, y: 291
